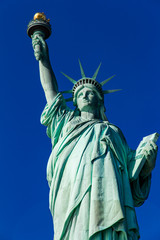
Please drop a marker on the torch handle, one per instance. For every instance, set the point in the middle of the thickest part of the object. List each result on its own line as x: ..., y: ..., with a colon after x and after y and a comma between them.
x: 37, y: 48
x: 37, y: 52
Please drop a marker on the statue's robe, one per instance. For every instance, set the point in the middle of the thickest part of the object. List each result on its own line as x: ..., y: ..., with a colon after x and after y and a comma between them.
x: 91, y: 196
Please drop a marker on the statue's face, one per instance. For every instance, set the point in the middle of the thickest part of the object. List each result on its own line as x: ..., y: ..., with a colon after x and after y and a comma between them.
x: 87, y: 99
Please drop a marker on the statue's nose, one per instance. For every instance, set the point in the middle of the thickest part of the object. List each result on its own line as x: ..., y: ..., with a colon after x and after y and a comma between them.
x: 85, y: 94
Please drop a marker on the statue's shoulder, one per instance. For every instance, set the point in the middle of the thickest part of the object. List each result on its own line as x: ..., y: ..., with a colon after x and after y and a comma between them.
x: 114, y: 127
x: 117, y: 130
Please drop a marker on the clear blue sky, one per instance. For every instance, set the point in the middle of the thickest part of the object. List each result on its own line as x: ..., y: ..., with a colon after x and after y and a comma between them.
x: 125, y: 37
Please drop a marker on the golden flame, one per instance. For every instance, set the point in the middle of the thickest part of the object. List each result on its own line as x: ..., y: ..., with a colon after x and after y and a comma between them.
x: 41, y: 16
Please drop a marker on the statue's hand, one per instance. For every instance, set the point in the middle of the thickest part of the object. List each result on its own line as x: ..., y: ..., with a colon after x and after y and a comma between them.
x: 40, y: 47
x: 150, y: 154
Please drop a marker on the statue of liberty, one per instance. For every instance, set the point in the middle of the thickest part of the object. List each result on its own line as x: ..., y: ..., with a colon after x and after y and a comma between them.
x: 93, y: 190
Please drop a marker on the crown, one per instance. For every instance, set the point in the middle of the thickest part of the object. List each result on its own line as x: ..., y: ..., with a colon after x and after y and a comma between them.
x: 86, y: 81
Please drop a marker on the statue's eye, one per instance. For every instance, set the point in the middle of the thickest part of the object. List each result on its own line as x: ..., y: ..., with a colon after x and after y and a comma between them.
x: 80, y: 94
x: 90, y: 93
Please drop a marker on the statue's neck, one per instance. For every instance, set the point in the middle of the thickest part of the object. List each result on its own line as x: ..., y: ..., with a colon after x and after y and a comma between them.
x: 90, y: 115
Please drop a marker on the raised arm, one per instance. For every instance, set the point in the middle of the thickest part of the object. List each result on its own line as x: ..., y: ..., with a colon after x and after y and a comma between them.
x: 47, y: 77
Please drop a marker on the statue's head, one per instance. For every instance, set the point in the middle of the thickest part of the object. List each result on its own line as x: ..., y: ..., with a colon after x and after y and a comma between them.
x: 89, y: 83
x: 88, y: 95
x: 88, y: 99
x: 88, y: 91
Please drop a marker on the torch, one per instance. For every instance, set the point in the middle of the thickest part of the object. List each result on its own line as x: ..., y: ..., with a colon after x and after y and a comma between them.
x: 39, y: 26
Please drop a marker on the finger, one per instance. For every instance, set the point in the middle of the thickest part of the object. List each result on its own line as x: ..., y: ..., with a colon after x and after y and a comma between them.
x: 42, y: 40
x: 153, y: 144
x: 36, y: 42
x: 44, y: 44
x: 34, y: 36
x: 146, y: 153
x: 151, y: 152
x: 38, y: 37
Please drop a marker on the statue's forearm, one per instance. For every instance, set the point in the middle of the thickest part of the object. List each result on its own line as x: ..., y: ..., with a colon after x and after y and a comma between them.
x: 48, y: 80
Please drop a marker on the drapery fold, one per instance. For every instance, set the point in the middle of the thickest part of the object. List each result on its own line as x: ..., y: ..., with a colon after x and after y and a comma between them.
x: 88, y: 164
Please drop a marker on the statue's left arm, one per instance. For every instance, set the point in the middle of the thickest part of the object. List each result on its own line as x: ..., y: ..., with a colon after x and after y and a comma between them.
x: 139, y: 176
x: 141, y: 185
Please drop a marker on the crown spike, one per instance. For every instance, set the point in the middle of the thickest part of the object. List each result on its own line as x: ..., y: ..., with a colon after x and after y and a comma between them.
x: 67, y: 91
x: 107, y: 80
x: 96, y: 72
x: 69, y: 99
x: 70, y: 79
x: 82, y: 71
x: 111, y: 91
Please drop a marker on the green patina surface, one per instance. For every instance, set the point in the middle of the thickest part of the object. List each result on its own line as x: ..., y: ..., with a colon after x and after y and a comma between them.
x: 88, y: 177
x: 93, y: 191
